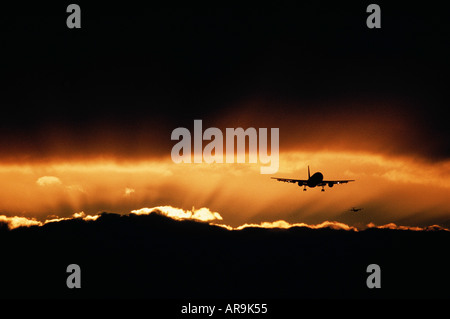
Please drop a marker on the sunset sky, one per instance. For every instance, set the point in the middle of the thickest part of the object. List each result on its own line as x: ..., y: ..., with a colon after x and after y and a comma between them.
x: 87, y: 114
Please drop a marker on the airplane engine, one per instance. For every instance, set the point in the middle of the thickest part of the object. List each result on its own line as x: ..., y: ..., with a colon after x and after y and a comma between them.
x: 330, y: 184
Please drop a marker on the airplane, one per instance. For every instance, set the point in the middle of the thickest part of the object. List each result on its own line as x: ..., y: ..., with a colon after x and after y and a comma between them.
x: 313, y: 181
x: 354, y: 209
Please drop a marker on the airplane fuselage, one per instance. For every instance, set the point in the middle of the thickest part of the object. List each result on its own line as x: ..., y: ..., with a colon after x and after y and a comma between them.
x: 315, y: 180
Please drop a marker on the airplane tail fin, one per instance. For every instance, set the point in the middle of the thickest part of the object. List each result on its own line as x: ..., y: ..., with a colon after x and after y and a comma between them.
x: 309, y: 175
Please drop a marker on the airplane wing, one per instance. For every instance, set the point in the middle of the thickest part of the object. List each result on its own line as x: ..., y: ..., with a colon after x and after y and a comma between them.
x: 290, y: 180
x: 323, y: 183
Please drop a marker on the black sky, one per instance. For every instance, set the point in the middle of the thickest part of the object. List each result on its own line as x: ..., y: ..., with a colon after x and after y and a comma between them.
x: 132, y: 74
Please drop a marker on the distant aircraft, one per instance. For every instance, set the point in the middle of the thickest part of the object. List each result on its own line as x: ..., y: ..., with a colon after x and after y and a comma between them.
x: 354, y: 209
x: 313, y: 181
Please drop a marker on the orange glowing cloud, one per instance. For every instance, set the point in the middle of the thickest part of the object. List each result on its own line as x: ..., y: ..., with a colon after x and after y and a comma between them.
x: 16, y: 221
x: 205, y: 215
x: 285, y: 225
x: 394, y: 226
x: 48, y: 180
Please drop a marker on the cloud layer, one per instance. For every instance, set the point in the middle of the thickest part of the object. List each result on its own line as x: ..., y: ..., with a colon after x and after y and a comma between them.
x: 203, y: 214
x: 206, y: 215
x: 18, y: 221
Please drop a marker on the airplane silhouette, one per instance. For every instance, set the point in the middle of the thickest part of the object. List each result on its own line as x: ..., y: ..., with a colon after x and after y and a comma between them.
x: 354, y: 209
x: 315, y: 180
